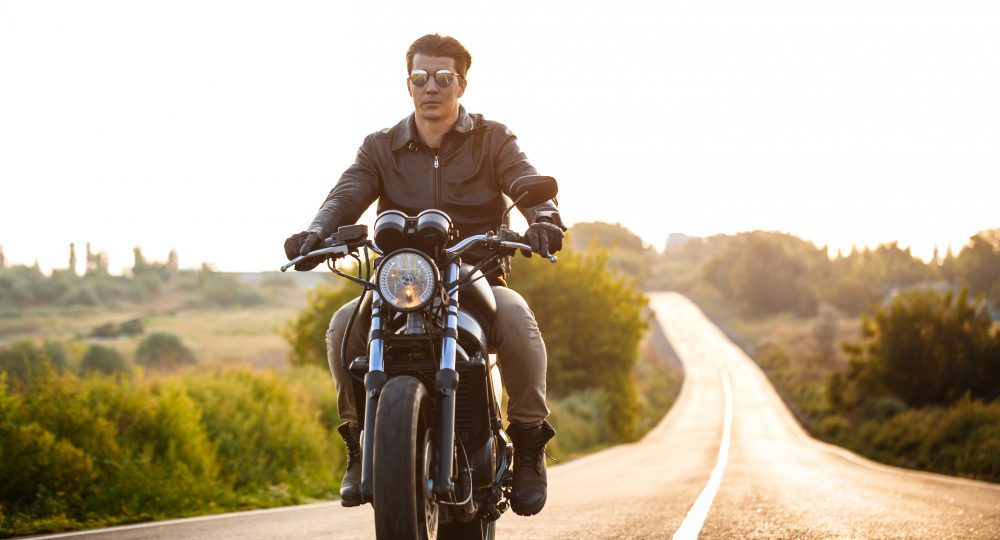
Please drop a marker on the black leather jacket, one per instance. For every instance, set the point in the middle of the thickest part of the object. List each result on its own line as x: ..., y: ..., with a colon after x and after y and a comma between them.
x: 467, y: 177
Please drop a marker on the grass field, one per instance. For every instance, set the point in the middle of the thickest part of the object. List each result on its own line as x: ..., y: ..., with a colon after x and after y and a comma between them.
x: 244, y: 336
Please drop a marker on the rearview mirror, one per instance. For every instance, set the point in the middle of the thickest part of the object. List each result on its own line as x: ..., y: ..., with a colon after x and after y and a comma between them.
x: 533, y: 190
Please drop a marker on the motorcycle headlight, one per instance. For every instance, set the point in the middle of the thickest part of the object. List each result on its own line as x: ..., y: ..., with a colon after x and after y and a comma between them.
x: 406, y: 279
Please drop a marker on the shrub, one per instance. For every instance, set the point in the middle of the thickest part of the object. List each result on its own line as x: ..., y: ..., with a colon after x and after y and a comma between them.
x: 267, y: 435
x: 928, y: 349
x: 307, y: 332
x: 25, y: 362
x: 103, y: 359
x: 100, y: 450
x: 164, y: 351
x: 580, y: 422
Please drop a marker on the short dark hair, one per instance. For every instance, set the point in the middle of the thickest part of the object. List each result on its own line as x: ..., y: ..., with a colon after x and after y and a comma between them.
x: 441, y: 46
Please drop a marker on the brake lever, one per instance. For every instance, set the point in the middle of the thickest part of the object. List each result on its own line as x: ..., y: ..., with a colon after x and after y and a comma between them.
x: 520, y: 245
x: 332, y: 250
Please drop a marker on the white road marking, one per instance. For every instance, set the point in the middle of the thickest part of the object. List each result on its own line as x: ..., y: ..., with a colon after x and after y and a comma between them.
x: 164, y: 523
x: 695, y: 518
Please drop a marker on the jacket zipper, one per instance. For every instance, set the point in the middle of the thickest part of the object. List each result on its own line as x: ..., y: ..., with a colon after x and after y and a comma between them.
x: 437, y: 183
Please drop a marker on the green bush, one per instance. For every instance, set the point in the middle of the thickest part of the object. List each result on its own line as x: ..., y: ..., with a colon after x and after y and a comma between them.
x: 926, y: 348
x: 24, y: 362
x: 268, y: 435
x: 103, y: 359
x: 580, y: 422
x: 93, y: 451
x: 163, y: 351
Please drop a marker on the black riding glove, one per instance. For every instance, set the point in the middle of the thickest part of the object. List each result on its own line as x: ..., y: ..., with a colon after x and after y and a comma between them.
x: 544, y: 238
x: 300, y: 244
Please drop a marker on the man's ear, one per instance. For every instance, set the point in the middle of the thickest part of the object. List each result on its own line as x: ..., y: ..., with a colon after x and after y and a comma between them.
x: 409, y: 90
x: 461, y: 86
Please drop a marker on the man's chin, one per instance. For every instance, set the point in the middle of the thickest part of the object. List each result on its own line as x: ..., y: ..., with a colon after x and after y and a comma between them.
x: 437, y: 112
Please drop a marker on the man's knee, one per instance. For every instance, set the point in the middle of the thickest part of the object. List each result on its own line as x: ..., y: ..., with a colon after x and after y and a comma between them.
x: 514, y: 318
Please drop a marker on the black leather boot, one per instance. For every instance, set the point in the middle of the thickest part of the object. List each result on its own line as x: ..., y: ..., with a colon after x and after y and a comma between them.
x: 529, y: 487
x: 350, y: 487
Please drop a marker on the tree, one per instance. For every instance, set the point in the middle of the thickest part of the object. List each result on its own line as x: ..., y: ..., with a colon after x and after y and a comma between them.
x: 825, y: 332
x: 140, y: 266
x: 97, y: 263
x: 592, y: 321
x: 72, y: 258
x: 628, y: 253
x: 764, y: 273
x: 172, y: 262
x: 978, y: 264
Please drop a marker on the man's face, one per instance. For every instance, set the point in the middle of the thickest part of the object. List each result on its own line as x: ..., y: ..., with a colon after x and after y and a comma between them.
x: 430, y: 101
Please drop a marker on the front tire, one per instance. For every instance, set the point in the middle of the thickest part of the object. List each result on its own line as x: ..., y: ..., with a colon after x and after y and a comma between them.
x: 479, y: 529
x: 403, y: 456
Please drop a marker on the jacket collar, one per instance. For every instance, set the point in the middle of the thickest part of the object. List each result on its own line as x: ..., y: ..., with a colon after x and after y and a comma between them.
x: 405, y: 132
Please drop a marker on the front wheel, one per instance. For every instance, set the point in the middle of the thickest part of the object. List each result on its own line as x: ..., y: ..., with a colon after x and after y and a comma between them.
x: 479, y: 529
x: 403, y: 457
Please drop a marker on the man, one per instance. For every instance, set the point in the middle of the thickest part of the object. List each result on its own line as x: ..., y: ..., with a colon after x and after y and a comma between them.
x: 442, y: 157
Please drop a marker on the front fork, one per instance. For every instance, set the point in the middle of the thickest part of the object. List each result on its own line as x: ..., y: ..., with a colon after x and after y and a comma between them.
x: 374, y: 381
x: 445, y: 384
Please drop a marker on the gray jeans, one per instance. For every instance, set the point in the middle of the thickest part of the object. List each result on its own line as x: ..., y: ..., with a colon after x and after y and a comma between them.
x: 520, y: 356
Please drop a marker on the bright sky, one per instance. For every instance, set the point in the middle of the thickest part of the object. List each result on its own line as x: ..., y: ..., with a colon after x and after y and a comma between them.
x: 217, y: 127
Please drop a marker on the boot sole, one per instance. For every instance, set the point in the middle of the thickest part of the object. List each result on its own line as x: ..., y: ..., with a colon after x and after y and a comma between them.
x: 539, y: 509
x: 350, y: 502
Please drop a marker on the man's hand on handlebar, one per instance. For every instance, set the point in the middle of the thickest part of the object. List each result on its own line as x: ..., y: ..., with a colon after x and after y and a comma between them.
x: 300, y: 244
x: 544, y: 238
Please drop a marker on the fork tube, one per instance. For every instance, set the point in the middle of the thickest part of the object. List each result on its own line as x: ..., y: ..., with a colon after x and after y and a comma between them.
x: 445, y: 384
x: 451, y: 324
x: 374, y: 380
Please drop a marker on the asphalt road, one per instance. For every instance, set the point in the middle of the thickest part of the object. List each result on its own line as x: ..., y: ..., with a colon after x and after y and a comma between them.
x: 728, y: 461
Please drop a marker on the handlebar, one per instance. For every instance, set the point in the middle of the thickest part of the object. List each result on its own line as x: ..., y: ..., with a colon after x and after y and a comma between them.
x: 479, y: 239
x: 343, y: 249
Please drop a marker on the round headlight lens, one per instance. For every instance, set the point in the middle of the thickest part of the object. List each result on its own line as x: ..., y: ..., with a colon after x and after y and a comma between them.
x: 406, y: 279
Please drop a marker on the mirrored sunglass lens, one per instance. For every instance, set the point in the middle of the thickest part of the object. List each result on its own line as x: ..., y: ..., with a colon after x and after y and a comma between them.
x: 443, y: 78
x: 418, y: 77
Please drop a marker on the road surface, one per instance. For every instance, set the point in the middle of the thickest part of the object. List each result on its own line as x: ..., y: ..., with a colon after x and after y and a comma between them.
x: 728, y: 461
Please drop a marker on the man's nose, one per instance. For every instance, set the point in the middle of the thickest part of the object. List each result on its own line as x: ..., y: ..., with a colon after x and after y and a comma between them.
x: 432, y: 86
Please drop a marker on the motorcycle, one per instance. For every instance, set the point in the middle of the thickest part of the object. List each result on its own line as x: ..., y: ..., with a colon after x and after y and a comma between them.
x: 436, y: 461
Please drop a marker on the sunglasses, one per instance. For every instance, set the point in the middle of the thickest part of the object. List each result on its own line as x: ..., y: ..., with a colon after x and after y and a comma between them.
x: 442, y: 77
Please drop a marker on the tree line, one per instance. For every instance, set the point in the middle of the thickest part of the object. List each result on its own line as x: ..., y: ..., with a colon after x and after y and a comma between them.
x: 23, y: 286
x: 761, y: 273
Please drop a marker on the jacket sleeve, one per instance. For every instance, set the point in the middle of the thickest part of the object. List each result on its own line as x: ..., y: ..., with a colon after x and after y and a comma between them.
x: 511, y: 164
x: 356, y: 190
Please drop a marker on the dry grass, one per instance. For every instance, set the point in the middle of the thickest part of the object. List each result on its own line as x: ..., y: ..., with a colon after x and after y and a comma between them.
x: 245, y: 337
x: 795, y: 337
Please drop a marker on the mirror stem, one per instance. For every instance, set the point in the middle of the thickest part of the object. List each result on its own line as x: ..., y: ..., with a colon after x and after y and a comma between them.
x: 511, y: 207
